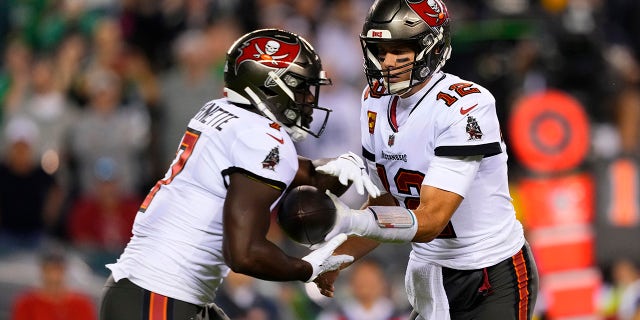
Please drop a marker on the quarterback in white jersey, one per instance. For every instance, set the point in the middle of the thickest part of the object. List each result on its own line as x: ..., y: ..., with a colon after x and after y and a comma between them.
x: 432, y: 140
x: 402, y: 139
x: 212, y: 210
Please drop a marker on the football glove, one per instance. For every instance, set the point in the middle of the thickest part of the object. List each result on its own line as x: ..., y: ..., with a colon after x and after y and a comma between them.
x: 398, y: 225
x: 346, y: 221
x: 323, y: 260
x: 349, y: 167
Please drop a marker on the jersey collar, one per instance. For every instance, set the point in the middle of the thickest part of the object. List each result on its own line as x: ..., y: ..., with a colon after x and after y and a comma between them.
x: 411, y: 101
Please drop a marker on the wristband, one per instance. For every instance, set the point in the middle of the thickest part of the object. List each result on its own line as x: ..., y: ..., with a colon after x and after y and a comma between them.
x: 393, y: 217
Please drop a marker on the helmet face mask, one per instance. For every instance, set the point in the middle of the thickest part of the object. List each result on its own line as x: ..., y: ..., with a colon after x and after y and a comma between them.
x: 280, y: 74
x: 422, y: 25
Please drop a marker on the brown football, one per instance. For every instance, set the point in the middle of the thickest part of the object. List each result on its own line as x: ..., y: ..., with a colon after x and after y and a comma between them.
x: 306, y: 214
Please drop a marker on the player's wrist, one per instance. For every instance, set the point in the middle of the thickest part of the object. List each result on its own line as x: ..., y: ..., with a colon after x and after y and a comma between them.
x: 315, y: 269
x: 385, y: 224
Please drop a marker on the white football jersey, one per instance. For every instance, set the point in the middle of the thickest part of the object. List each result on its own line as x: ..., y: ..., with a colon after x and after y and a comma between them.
x: 449, y: 117
x: 176, y: 248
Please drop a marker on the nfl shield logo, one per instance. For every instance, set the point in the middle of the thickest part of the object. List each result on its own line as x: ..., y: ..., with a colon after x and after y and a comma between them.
x: 392, y: 139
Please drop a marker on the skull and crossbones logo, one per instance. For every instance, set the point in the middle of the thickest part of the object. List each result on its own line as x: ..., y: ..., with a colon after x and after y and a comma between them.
x: 270, y: 49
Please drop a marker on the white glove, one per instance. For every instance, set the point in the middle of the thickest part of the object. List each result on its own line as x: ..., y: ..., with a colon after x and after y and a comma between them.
x: 345, y: 218
x: 322, y: 259
x: 364, y: 223
x: 349, y: 167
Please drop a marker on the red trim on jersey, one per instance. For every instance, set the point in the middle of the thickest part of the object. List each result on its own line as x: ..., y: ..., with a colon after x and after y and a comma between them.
x: 520, y: 268
x: 157, y: 307
x: 392, y: 113
x: 187, y: 144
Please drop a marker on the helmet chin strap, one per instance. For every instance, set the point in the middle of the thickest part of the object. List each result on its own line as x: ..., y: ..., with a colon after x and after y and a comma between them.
x: 295, y: 133
x: 400, y: 88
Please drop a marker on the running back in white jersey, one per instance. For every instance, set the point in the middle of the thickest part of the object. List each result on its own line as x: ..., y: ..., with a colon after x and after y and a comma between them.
x: 449, y: 117
x: 176, y: 248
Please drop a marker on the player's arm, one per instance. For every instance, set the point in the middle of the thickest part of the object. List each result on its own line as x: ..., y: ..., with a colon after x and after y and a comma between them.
x: 245, y: 246
x: 356, y: 246
x: 434, y: 212
x: 423, y: 224
x: 246, y: 223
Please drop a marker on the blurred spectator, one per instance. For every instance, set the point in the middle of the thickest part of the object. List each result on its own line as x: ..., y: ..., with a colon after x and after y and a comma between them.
x: 220, y: 36
x: 53, y: 300
x: 341, y: 27
x: 62, y: 18
x: 579, y: 66
x: 621, y: 275
x: 152, y: 28
x: 111, y: 52
x: 240, y: 299
x: 108, y: 129
x: 101, y: 221
x: 627, y: 111
x: 626, y: 278
x: 108, y: 48
x: 53, y: 114
x: 30, y: 199
x: 4, y: 24
x: 185, y: 88
x: 623, y: 56
x: 369, y: 296
x: 14, y: 76
x: 71, y: 62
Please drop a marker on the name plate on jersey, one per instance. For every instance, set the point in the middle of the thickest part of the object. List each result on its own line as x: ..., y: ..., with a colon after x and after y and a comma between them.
x: 392, y: 217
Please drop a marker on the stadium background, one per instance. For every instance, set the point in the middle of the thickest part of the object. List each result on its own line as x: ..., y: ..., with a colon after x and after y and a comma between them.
x: 565, y: 74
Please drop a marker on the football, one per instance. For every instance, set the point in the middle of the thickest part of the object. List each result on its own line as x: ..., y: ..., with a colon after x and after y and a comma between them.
x: 306, y: 214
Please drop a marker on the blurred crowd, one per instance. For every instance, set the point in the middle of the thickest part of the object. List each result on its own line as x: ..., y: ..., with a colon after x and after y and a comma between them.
x: 95, y: 96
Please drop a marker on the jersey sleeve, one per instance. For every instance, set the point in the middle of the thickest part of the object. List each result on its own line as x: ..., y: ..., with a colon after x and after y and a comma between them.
x: 268, y: 156
x: 474, y: 130
x: 454, y: 174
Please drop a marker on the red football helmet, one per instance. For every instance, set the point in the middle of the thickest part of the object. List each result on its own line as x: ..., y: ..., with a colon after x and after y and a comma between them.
x: 421, y: 24
x: 280, y: 74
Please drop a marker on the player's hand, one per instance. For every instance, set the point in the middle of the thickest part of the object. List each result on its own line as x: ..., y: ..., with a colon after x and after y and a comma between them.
x: 350, y: 167
x: 323, y: 260
x: 325, y: 282
x: 344, y: 218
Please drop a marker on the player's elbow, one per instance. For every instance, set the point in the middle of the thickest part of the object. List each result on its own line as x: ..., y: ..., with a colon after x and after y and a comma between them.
x: 237, y: 260
x: 240, y: 264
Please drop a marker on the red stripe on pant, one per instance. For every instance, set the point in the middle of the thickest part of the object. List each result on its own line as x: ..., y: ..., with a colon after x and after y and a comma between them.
x: 157, y: 307
x: 520, y: 267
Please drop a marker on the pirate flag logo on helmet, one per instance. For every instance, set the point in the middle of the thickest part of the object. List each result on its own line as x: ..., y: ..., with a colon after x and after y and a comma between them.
x: 269, y: 52
x: 433, y: 12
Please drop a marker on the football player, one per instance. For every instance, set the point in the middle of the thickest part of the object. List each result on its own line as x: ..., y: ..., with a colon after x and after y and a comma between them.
x: 211, y: 211
x: 432, y: 141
